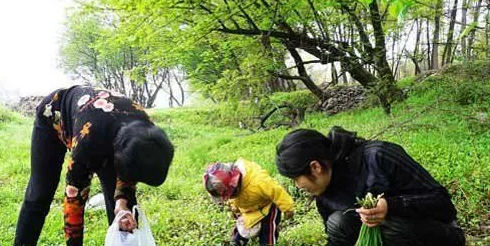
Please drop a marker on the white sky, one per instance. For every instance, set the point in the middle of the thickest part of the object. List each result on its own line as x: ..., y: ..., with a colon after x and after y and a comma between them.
x: 30, y: 32
x: 30, y: 36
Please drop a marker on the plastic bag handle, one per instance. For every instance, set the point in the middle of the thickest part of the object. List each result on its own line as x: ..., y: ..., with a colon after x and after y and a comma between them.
x: 141, y: 216
x: 145, y: 236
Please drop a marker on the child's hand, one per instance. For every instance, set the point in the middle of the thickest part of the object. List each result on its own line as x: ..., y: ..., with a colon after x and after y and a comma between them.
x: 289, y: 215
x: 235, y: 210
x: 233, y: 215
x: 127, y: 223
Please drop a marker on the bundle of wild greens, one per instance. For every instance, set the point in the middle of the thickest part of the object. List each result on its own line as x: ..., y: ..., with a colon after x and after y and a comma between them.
x: 369, y: 236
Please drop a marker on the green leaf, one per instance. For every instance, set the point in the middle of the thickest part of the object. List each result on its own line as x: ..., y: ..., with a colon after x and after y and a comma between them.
x: 366, y: 2
x: 396, y: 8
x: 467, y: 30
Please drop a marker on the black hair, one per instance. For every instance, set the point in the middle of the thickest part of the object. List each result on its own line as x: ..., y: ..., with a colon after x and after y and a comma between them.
x: 299, y: 147
x: 142, y: 153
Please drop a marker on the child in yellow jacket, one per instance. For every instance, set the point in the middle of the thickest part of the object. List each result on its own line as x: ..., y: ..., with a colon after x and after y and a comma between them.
x: 254, y: 195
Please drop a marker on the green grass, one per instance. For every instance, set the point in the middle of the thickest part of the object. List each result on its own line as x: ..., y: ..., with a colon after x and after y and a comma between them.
x: 448, y: 135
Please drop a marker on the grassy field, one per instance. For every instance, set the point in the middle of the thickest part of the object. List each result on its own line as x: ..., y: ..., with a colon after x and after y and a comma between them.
x: 444, y: 124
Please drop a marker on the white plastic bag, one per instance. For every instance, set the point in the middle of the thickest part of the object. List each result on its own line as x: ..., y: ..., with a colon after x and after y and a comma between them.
x: 115, y: 237
x: 145, y: 237
x: 244, y: 231
x: 139, y: 237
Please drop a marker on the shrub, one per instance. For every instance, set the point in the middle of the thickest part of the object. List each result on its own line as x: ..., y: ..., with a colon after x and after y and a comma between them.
x: 479, y: 70
x: 6, y: 115
x: 297, y: 99
x: 466, y: 92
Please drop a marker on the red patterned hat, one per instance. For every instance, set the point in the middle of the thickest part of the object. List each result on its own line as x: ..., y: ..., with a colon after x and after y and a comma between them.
x: 222, y: 180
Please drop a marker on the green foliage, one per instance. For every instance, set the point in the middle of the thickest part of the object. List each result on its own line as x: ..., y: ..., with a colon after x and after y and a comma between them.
x: 366, y: 2
x: 406, y: 82
x: 244, y: 113
x: 5, y: 115
x: 109, y: 47
x: 297, y: 99
x: 433, y: 129
x: 134, y: 38
x: 228, y: 68
x: 369, y: 201
x: 223, y: 114
x: 229, y: 50
x: 467, y: 86
x: 369, y: 236
x: 371, y: 101
x: 469, y: 92
x: 479, y: 70
x: 467, y: 30
x: 399, y: 8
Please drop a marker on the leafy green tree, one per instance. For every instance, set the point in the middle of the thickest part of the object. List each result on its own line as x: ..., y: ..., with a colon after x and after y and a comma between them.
x: 234, y: 50
x: 93, y: 52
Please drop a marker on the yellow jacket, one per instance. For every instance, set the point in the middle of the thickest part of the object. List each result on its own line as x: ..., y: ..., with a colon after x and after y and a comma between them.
x: 259, y: 190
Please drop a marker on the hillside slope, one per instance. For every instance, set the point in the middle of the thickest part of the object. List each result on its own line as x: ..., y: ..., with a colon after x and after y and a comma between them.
x: 444, y: 124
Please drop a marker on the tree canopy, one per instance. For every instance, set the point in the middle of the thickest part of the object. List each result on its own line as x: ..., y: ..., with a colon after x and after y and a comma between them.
x: 234, y: 50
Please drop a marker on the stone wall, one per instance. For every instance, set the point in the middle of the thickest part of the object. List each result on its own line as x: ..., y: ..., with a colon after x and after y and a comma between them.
x: 26, y: 105
x: 343, y: 98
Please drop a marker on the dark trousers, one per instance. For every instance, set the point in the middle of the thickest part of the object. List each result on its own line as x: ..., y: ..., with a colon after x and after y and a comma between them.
x: 343, y: 230
x: 269, y: 232
x: 47, y: 155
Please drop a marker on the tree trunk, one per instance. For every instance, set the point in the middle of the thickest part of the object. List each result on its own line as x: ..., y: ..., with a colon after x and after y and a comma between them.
x: 345, y: 79
x: 471, y: 35
x: 387, y: 91
x: 304, y: 77
x: 334, y: 74
x: 393, y: 44
x: 435, y: 40
x: 416, y: 48
x: 274, y: 83
x: 429, y: 60
x: 446, y: 55
x: 181, y: 88
x: 170, y: 95
x: 487, y: 34
x: 157, y: 81
x: 399, y: 59
x: 464, y: 11
x: 343, y: 50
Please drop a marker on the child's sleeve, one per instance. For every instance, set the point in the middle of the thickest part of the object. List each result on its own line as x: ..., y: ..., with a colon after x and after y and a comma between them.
x: 277, y: 194
x: 126, y: 190
x: 235, y: 211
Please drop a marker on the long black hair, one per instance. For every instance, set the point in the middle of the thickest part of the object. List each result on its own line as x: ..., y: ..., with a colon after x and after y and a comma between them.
x: 299, y: 147
x: 142, y: 153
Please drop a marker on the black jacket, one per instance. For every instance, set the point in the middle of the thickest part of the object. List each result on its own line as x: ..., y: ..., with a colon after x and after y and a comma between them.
x: 87, y: 120
x: 383, y: 167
